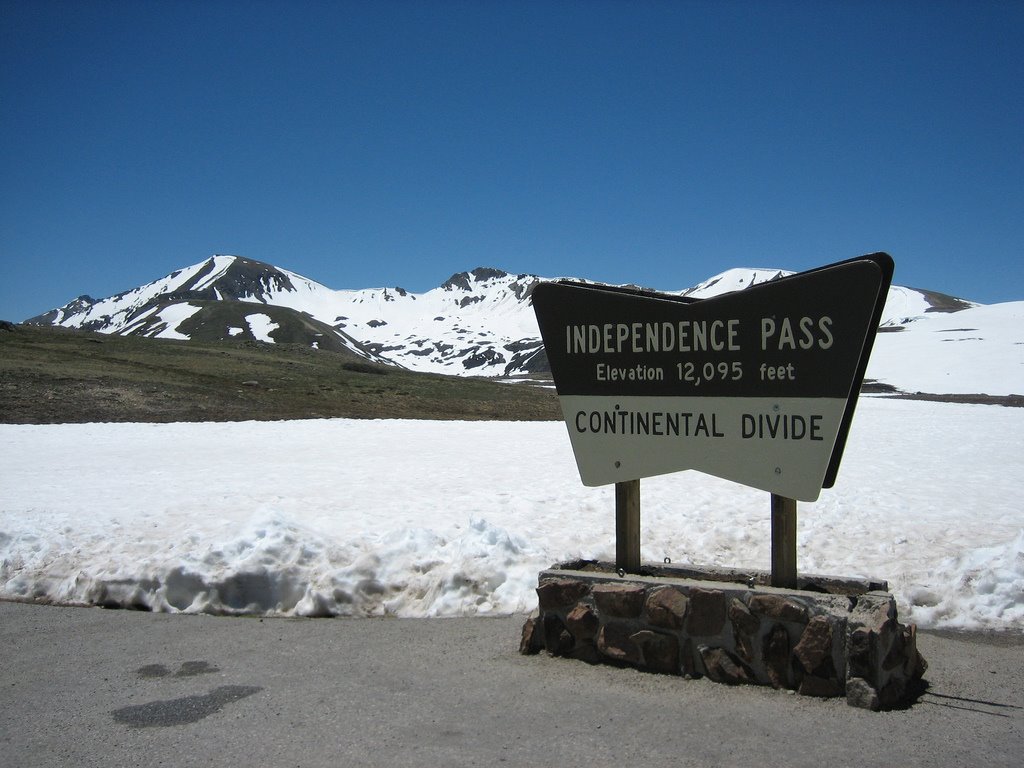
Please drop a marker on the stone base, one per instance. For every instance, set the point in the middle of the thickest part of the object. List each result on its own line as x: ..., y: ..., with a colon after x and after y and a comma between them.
x: 831, y: 637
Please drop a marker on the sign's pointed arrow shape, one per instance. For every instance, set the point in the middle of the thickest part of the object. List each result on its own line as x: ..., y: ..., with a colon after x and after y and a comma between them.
x: 757, y: 386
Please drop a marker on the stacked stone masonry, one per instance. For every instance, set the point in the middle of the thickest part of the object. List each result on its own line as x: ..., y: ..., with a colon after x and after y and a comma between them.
x: 814, y: 643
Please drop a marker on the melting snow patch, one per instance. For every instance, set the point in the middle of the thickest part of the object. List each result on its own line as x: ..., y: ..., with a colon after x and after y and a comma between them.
x: 174, y: 316
x: 261, y: 326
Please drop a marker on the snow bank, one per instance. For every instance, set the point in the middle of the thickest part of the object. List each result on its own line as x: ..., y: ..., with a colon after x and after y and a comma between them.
x: 417, y: 518
x: 976, y: 350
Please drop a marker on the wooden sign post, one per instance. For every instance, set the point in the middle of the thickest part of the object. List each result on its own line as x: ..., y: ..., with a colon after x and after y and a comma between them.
x: 783, y: 542
x: 627, y: 526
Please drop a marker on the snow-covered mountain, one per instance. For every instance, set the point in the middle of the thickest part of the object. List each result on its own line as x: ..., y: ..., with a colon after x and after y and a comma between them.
x: 477, y: 322
x: 223, y: 297
x: 481, y: 322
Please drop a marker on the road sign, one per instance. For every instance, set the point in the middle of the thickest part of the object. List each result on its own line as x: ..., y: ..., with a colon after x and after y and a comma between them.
x: 757, y: 386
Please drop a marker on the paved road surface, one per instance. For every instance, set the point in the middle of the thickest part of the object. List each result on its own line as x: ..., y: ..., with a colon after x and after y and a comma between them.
x: 89, y: 687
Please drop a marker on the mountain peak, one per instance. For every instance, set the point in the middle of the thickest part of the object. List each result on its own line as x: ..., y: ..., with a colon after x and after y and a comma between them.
x: 235, y: 277
x: 463, y: 280
x: 734, y: 280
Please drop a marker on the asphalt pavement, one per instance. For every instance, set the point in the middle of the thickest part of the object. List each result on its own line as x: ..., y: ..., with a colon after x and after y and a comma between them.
x: 94, y: 687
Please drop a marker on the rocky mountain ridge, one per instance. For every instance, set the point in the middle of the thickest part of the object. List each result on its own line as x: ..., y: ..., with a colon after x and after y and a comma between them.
x: 478, y: 322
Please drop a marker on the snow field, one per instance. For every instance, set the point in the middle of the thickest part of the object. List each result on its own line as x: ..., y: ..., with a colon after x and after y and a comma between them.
x: 976, y: 350
x: 420, y: 518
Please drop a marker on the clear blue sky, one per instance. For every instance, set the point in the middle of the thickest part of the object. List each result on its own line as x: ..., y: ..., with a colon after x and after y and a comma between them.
x: 394, y: 143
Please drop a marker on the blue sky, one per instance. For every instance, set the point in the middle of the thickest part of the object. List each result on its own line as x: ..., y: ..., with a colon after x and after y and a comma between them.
x: 394, y: 143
